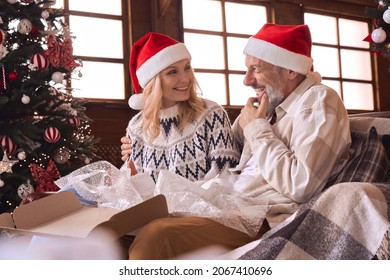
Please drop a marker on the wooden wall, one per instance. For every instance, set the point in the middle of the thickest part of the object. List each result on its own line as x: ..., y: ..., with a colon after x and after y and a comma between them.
x: 110, y: 120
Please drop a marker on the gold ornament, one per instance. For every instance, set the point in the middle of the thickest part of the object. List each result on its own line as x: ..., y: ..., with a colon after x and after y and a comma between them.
x: 6, y: 164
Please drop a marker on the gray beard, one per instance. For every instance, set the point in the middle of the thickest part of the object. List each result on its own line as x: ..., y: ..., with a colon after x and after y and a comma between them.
x: 275, y: 98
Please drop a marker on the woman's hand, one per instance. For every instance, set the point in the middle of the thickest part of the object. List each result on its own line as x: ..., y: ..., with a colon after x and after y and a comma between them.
x: 125, y: 148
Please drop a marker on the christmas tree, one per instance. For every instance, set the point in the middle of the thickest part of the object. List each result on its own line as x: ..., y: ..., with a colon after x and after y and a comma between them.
x: 380, y: 38
x: 44, y: 131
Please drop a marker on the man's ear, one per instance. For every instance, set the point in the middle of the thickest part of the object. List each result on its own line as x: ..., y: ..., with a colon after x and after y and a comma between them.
x: 292, y: 75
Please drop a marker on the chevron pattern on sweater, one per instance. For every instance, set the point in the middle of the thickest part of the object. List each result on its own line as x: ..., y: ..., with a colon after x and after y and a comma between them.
x: 167, y: 124
x: 216, y: 119
x: 205, y: 144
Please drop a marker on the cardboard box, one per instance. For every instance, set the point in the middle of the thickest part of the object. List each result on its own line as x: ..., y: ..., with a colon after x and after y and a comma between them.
x: 61, y: 215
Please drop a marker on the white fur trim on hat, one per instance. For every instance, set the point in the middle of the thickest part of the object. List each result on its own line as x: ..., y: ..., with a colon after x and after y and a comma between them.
x: 136, y: 101
x: 160, y: 61
x: 278, y: 56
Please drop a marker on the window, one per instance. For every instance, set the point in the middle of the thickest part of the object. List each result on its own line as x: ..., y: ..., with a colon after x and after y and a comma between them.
x: 215, y: 32
x: 343, y: 58
x: 100, y: 32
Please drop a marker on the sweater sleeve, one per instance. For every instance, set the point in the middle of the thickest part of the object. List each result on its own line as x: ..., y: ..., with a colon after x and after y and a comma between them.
x: 223, y: 151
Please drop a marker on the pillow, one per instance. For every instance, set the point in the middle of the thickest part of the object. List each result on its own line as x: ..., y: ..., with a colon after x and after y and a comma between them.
x: 368, y: 160
x: 386, y: 143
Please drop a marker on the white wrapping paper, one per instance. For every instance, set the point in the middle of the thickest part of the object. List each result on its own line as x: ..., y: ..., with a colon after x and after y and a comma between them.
x: 103, y: 183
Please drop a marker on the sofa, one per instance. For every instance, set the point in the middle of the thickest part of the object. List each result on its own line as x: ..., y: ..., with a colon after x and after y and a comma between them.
x: 350, y: 218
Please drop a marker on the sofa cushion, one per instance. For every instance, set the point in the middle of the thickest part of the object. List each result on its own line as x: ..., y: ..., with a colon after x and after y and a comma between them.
x: 368, y: 160
x: 386, y: 143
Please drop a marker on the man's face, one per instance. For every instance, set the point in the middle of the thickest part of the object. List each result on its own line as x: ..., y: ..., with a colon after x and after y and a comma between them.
x: 264, y: 78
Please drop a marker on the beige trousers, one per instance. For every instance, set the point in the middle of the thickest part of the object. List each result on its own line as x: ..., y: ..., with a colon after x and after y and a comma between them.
x: 168, y: 238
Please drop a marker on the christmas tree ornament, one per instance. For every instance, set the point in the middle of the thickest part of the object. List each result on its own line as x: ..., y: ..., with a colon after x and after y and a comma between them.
x: 67, y: 60
x: 45, y: 177
x: 74, y: 121
x: 25, y: 99
x: 386, y: 15
x: 3, y: 81
x: 39, y: 61
x: 378, y: 35
x: 25, y: 189
x: 22, y: 155
x: 61, y: 156
x: 34, y: 32
x: 2, y: 36
x: 27, y: 1
x: 1, y: 183
x: 13, y: 76
x: 45, y: 14
x: 8, y: 144
x: 60, y: 53
x: 12, y: 1
x: 87, y: 160
x: 6, y: 164
x: 53, y: 52
x: 57, y: 77
x: 52, y: 134
x: 3, y: 53
x: 24, y: 26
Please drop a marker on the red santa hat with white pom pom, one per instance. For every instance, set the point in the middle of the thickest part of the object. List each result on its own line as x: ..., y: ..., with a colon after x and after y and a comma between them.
x: 286, y: 46
x: 151, y: 54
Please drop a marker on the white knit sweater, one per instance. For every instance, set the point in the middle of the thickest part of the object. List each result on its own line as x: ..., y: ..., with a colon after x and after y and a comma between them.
x: 205, y: 148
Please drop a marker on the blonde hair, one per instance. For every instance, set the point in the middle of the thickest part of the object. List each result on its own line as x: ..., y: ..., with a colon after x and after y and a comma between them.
x: 189, y: 110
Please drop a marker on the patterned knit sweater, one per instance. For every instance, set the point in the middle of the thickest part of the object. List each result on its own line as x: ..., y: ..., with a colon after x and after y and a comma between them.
x: 203, y: 149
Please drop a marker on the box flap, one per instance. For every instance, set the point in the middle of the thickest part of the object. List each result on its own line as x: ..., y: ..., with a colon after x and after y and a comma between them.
x: 76, y: 224
x: 6, y: 220
x: 62, y: 214
x: 135, y: 217
x: 45, y: 209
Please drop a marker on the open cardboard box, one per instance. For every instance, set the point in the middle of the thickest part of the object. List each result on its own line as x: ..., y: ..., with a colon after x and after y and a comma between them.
x: 61, y: 215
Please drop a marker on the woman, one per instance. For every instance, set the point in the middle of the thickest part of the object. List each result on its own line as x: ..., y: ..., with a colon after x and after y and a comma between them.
x: 175, y: 130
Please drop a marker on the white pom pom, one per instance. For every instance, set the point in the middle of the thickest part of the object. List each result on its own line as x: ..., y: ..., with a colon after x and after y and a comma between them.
x: 136, y: 101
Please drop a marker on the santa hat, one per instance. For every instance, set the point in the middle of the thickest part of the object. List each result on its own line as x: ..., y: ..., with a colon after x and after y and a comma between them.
x: 287, y: 46
x: 151, y: 54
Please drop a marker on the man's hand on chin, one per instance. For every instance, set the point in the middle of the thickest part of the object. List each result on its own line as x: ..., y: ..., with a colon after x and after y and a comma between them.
x: 251, y: 112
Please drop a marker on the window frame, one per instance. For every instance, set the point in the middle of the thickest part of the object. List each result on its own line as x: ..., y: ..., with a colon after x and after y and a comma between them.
x: 125, y: 19
x: 224, y: 34
x: 338, y: 47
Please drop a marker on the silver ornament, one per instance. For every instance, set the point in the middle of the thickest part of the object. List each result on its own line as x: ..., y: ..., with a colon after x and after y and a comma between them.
x: 24, y: 26
x: 25, y: 189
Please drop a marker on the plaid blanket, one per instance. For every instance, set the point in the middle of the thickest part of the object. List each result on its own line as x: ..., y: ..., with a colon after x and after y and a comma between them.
x: 347, y: 221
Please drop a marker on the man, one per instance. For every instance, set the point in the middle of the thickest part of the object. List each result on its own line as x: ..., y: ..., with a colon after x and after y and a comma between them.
x: 295, y: 136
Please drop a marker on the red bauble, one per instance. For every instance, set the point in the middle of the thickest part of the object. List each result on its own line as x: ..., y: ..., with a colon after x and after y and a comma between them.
x: 26, y: 1
x: 74, y: 121
x: 39, y: 61
x: 13, y: 76
x: 52, y: 134
x: 34, y: 32
x: 7, y: 143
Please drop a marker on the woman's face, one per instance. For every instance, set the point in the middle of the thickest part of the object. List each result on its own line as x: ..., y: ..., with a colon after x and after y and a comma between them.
x: 176, y: 82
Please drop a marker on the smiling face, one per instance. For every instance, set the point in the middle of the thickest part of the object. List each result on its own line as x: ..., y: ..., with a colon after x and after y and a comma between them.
x: 176, y: 82
x: 266, y: 78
